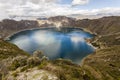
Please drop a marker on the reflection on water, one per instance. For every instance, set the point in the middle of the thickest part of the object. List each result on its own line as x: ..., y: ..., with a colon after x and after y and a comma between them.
x: 68, y: 44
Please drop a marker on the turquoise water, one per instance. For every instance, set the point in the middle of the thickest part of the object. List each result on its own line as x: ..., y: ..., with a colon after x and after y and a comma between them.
x: 67, y: 43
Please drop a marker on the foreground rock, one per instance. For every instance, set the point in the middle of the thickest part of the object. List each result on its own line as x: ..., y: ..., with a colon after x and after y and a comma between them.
x: 32, y: 74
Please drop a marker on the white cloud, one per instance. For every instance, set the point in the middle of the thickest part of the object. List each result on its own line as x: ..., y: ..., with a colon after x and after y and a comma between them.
x: 47, y: 8
x: 79, y: 2
x: 32, y: 8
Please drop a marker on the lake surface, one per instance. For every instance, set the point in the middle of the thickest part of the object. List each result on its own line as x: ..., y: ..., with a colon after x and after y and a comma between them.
x: 67, y: 43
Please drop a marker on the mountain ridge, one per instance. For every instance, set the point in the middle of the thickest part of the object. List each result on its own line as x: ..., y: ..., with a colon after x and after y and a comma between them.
x: 101, y: 26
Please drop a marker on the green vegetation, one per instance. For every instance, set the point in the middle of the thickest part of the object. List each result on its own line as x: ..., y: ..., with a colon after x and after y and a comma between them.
x: 18, y: 62
x: 27, y: 62
x: 33, y: 61
x: 15, y: 74
x: 68, y: 70
x: 105, y: 63
x: 43, y: 64
x: 102, y: 26
x: 9, y: 50
x: 110, y: 40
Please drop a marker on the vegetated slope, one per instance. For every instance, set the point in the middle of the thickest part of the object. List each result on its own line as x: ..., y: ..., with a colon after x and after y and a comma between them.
x: 101, y: 26
x: 105, y: 41
x: 16, y: 64
x: 104, y: 64
x: 57, y: 70
x: 9, y: 50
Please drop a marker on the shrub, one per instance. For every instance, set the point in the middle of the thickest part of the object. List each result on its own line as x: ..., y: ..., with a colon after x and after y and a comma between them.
x: 24, y: 68
x: 38, y: 54
x: 42, y: 65
x: 18, y: 62
x: 86, y: 77
x: 33, y: 61
x: 15, y: 74
x: 44, y: 58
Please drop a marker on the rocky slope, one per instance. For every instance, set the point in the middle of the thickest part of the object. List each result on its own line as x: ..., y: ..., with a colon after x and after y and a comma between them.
x: 37, y: 67
x: 104, y: 64
x: 8, y: 27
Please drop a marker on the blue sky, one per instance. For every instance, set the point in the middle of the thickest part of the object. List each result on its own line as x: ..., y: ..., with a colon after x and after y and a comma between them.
x: 95, y: 4
x: 57, y: 7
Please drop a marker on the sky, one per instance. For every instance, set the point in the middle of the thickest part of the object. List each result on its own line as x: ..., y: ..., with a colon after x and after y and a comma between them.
x: 57, y: 7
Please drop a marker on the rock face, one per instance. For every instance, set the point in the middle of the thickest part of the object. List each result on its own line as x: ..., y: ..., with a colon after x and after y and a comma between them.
x: 8, y: 27
x: 63, y: 20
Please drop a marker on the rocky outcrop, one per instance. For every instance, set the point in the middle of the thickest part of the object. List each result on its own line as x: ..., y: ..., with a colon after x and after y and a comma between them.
x: 32, y: 74
x: 63, y: 20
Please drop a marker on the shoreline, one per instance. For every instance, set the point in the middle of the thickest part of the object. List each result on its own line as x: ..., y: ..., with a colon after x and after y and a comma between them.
x: 7, y: 37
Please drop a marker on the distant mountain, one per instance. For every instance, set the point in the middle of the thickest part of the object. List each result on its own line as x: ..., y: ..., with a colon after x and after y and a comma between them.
x: 60, y: 18
x: 101, y: 26
x: 95, y: 16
